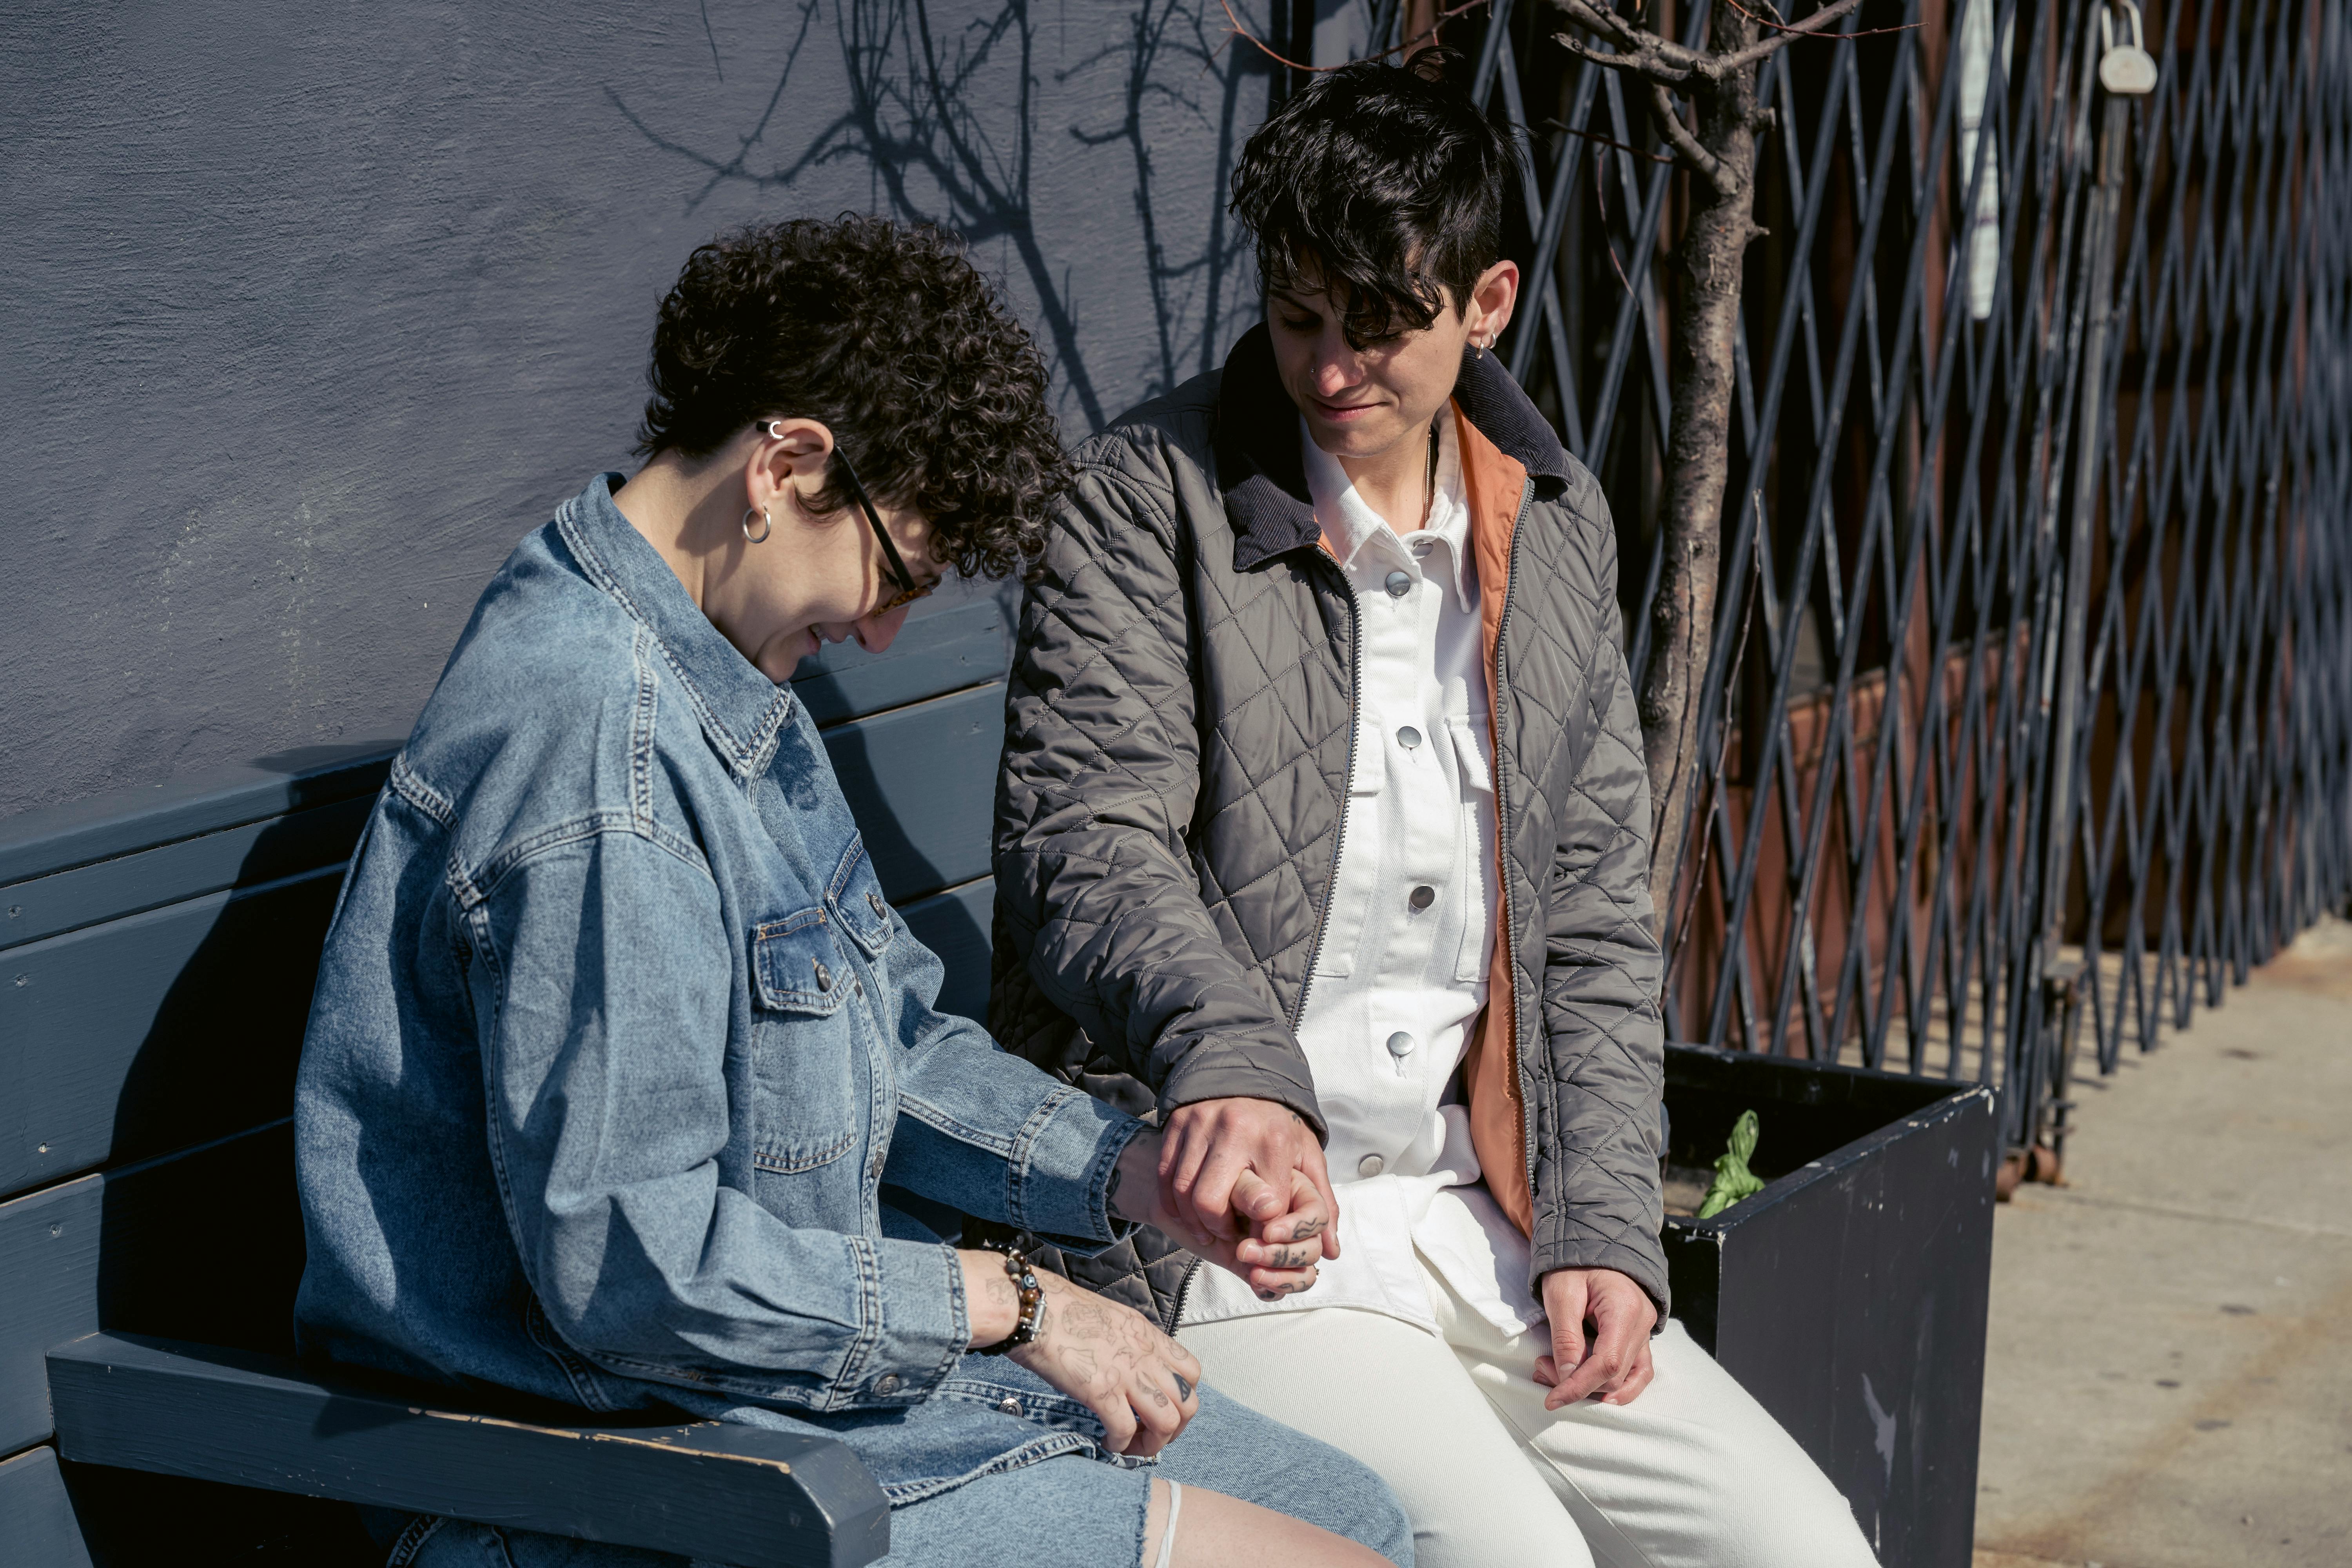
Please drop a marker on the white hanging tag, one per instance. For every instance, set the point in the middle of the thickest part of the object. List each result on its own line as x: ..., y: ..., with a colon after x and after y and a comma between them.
x: 2126, y: 69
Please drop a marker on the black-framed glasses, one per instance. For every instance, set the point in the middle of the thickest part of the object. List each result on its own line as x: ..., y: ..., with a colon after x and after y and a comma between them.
x: 896, y: 563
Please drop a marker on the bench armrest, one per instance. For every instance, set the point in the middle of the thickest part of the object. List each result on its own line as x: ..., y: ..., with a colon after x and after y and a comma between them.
x: 717, y: 1490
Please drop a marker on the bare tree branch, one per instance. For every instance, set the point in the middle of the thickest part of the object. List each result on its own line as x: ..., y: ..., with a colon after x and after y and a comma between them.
x: 1719, y: 66
x: 1774, y: 21
x: 1639, y: 50
x: 1408, y: 45
x: 1664, y: 110
x: 1625, y: 35
x: 1567, y: 129
x: 1649, y: 67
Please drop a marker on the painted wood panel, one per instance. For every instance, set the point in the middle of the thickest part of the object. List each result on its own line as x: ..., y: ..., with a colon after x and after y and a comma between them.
x: 955, y: 925
x: 37, y: 1528
x: 241, y: 857
x: 966, y: 641
x: 922, y: 783
x: 53, y: 838
x: 707, y: 1490
x: 205, y: 1246
x: 130, y: 1039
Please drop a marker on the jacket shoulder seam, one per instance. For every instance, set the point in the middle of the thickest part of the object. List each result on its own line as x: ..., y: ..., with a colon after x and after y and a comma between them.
x: 477, y: 885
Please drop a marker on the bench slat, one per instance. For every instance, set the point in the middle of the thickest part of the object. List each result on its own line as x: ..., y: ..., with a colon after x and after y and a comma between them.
x: 241, y: 856
x: 921, y: 781
x: 709, y: 1490
x: 53, y: 838
x: 954, y: 924
x: 205, y: 1246
x: 959, y: 644
x: 157, y: 1031
x: 36, y: 1519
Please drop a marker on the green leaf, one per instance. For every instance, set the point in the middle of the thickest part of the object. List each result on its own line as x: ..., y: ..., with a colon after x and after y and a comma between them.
x: 1733, y: 1179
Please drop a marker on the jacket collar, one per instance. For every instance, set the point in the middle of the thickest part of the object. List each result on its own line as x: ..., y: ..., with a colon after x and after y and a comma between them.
x: 1264, y: 478
x: 741, y: 709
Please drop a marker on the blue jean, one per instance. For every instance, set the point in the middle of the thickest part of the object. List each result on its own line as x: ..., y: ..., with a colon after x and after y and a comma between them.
x: 1068, y: 1511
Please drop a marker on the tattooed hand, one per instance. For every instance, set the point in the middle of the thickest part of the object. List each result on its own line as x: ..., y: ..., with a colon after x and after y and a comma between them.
x: 1207, y: 1147
x: 1143, y: 1386
x: 1287, y: 1231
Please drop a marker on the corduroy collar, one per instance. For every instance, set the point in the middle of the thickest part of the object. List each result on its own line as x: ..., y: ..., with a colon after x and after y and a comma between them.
x: 1265, y: 482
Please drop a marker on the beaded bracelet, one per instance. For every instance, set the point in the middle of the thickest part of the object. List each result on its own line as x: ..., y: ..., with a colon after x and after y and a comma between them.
x: 1033, y: 1303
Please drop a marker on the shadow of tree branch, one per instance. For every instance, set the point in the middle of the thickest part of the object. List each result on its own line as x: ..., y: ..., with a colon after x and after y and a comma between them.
x: 946, y: 123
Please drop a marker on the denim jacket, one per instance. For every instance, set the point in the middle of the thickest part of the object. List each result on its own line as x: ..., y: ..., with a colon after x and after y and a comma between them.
x: 616, y: 1042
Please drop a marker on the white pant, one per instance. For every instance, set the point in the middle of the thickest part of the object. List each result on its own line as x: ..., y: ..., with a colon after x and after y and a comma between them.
x: 1692, y: 1473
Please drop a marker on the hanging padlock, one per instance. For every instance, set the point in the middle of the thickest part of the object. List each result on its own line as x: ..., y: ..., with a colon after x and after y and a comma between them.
x: 2126, y: 68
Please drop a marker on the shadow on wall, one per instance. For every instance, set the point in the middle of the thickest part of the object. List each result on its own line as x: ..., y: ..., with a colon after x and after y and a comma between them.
x: 928, y: 113
x: 393, y: 270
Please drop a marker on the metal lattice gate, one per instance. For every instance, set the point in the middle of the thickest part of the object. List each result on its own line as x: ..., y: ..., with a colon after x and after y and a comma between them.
x: 2031, y: 696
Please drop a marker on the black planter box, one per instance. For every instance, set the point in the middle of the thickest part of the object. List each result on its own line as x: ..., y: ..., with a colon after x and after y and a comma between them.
x: 1849, y: 1295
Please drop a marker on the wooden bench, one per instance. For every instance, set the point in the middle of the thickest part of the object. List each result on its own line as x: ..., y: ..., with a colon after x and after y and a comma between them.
x: 157, y: 950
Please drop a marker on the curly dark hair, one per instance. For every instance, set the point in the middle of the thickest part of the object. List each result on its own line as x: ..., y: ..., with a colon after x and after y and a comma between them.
x: 888, y: 335
x: 1387, y: 181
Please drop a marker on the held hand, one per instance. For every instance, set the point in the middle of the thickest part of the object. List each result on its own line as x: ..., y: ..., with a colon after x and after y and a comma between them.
x: 1278, y: 1260
x: 1620, y: 1314
x: 1143, y: 1385
x: 1206, y: 1146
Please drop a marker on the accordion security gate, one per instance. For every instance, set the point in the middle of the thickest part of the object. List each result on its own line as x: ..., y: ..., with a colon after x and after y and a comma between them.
x: 2031, y: 693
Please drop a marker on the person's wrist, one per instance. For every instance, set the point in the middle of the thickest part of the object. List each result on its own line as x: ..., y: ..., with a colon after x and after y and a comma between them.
x: 1135, y: 1178
x: 992, y: 1304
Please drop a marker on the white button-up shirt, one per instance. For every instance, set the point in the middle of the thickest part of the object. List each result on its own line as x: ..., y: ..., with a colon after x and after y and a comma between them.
x: 1401, y: 977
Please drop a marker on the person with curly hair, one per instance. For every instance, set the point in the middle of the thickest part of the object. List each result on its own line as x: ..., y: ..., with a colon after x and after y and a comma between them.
x: 618, y: 1053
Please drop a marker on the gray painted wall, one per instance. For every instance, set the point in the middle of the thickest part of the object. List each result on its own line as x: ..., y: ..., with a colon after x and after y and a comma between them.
x: 308, y: 313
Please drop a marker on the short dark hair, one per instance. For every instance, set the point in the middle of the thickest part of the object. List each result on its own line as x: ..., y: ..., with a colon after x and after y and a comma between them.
x: 1388, y: 181
x: 885, y: 333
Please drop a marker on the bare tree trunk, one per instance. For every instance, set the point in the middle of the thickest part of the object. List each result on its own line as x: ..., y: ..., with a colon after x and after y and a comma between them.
x: 1706, y: 322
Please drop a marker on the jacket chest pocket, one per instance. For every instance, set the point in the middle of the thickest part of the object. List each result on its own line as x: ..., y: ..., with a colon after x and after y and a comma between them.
x: 807, y: 1077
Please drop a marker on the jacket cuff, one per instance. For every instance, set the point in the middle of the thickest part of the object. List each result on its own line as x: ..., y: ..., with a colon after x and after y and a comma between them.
x: 914, y: 1300
x: 1645, y: 1266
x: 1060, y: 1169
x: 1229, y: 1077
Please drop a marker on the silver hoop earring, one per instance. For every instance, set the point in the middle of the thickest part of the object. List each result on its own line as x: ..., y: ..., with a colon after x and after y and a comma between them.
x: 766, y: 525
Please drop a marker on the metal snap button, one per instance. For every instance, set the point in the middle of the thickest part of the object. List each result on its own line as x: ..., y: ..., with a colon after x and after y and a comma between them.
x: 887, y: 1383
x: 1009, y: 1405
x: 1399, y: 1046
x: 874, y: 901
x: 824, y: 975
x: 1398, y: 584
x: 1423, y: 896
x: 1371, y: 1165
x: 1407, y: 737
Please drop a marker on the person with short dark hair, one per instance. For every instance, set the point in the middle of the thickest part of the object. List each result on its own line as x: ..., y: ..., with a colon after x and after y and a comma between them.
x: 1323, y: 813
x: 624, y: 1086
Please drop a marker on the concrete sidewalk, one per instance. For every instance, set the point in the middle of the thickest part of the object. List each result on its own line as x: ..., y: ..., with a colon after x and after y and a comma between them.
x: 2170, y: 1376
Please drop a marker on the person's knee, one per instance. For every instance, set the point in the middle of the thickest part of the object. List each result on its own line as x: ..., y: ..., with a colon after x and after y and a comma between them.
x: 1386, y: 1530
x: 1232, y: 1450
x: 1794, y: 1519
x: 1359, y: 1504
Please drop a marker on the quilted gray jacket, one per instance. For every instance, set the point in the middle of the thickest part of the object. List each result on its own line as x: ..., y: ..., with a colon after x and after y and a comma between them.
x: 1172, y: 802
